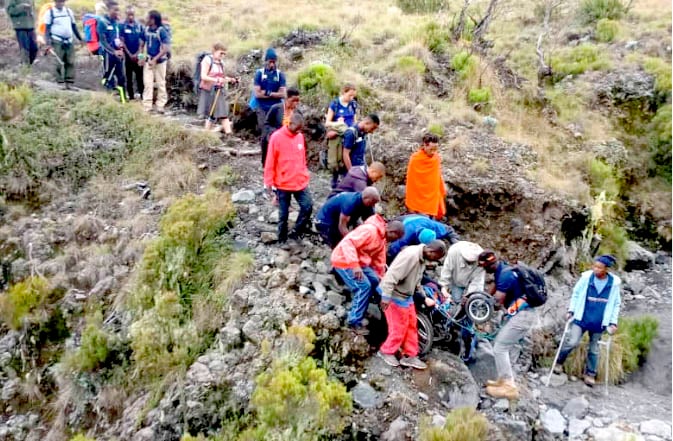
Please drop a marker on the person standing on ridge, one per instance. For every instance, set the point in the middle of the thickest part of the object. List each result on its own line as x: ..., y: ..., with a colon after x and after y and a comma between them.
x: 278, y: 116
x: 268, y: 88
x: 425, y: 189
x: 213, y: 102
x: 156, y: 43
x: 112, y: 48
x: 343, y: 108
x: 61, y: 27
x: 22, y: 14
x: 132, y: 32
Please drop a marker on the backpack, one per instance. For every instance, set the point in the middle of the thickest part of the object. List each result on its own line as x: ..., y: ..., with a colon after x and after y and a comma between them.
x: 532, y: 284
x: 41, y: 25
x: 169, y: 33
x: 91, y: 38
x: 253, y: 103
x: 196, y: 77
x: 335, y: 137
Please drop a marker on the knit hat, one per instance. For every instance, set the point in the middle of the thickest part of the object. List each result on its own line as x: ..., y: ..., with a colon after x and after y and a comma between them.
x: 486, y: 257
x: 470, y: 251
x: 426, y: 236
x: 270, y: 54
x: 607, y: 260
x: 100, y: 8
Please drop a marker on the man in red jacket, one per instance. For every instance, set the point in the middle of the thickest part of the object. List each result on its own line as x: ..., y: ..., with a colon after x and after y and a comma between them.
x: 286, y: 173
x: 360, y: 260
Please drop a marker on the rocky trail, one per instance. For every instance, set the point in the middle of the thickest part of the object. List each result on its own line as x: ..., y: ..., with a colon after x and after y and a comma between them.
x: 294, y: 286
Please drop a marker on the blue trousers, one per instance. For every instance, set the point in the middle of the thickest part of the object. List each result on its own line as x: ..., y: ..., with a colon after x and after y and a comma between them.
x: 573, y: 339
x: 303, y: 198
x: 361, y: 291
x: 27, y: 44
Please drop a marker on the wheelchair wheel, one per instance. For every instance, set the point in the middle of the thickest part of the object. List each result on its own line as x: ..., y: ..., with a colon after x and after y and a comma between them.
x: 425, y: 334
x: 479, y: 308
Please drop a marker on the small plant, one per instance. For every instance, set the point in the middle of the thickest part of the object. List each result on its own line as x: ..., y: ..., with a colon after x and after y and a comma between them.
x: 660, y: 143
x: 580, y: 59
x: 464, y: 64
x: 661, y: 70
x: 436, y: 129
x: 603, y: 177
x: 479, y: 96
x: 94, y: 348
x: 593, y: 10
x: 23, y: 300
x: 607, y: 30
x: 422, y: 6
x: 613, y: 239
x: 319, y: 78
x: 462, y: 424
x: 13, y: 99
x: 224, y: 177
x: 436, y: 37
x: 81, y: 437
x: 410, y: 66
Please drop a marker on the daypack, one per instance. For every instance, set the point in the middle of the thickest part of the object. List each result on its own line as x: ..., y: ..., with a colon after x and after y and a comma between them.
x: 335, y: 137
x: 91, y: 38
x: 169, y: 33
x: 196, y: 77
x: 253, y: 103
x: 41, y: 25
x: 532, y: 284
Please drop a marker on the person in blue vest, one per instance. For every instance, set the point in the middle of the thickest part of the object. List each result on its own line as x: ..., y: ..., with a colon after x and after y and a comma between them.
x: 594, y: 308
x: 132, y: 32
x: 112, y: 48
x: 269, y: 87
x: 355, y: 141
x: 416, y: 225
x: 344, y: 107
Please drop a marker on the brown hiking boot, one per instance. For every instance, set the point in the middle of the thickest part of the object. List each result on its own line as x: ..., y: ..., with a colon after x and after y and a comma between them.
x: 507, y: 390
x: 589, y: 380
x: 413, y: 362
x: 497, y: 382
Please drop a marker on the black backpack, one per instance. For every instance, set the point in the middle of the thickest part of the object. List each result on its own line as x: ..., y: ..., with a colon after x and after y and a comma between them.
x: 532, y: 284
x: 196, y: 76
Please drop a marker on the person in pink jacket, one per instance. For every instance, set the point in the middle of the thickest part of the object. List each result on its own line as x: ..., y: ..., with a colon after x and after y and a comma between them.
x: 286, y: 173
x: 360, y: 260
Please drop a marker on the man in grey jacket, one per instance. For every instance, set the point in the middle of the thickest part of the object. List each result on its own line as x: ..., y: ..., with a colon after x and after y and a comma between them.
x: 22, y: 14
x: 397, y: 301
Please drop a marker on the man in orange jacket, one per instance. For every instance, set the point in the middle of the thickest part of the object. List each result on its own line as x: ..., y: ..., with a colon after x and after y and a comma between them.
x: 360, y: 260
x: 286, y: 173
x: 425, y: 191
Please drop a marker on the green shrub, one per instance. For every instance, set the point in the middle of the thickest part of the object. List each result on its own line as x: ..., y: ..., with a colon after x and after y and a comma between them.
x: 410, y: 66
x: 629, y: 347
x: 13, y: 99
x: 603, y: 177
x: 319, y: 78
x: 422, y: 6
x: 94, y: 347
x: 661, y: 70
x: 24, y: 301
x: 436, y: 38
x: 613, y: 239
x: 659, y: 131
x: 593, y: 10
x: 568, y: 106
x: 464, y: 64
x: 607, y: 30
x: 482, y: 96
x: 436, y: 129
x: 462, y: 424
x: 222, y: 178
x: 81, y: 437
x: 579, y: 59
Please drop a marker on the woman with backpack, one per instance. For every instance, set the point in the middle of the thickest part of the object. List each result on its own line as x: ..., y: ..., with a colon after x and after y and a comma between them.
x: 343, y: 108
x: 213, y: 103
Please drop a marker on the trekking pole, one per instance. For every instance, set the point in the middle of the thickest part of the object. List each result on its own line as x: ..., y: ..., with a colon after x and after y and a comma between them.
x: 212, y: 107
x: 51, y: 51
x: 607, y: 364
x: 558, y: 352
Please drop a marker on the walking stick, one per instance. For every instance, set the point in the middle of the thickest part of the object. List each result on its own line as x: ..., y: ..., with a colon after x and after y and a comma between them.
x: 558, y: 352
x: 607, y: 364
x: 212, y: 108
x: 61, y: 62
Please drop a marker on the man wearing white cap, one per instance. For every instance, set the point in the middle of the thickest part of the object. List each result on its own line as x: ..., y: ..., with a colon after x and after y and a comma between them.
x: 461, y: 273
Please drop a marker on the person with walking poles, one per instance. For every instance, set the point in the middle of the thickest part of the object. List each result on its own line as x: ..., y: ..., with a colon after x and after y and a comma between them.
x: 398, y: 286
x: 22, y: 14
x: 594, y: 309
x: 61, y: 30
x: 278, y: 116
x: 425, y: 190
x: 156, y: 45
x: 519, y: 318
x: 112, y: 47
x: 360, y: 260
x: 286, y: 173
x: 132, y: 32
x: 213, y: 102
x: 268, y: 88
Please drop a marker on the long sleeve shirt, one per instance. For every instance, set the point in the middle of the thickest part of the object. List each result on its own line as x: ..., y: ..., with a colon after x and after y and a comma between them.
x: 363, y: 247
x: 285, y: 167
x: 458, y: 271
x: 60, y: 26
x: 413, y: 225
x: 404, y: 274
x: 579, y: 299
x: 22, y: 13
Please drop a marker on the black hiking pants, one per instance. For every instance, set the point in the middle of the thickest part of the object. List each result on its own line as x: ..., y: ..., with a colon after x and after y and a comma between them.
x: 27, y: 44
x: 133, y: 72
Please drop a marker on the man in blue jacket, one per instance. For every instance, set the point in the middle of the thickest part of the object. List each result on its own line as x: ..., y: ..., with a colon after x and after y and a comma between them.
x: 414, y: 224
x: 594, y: 308
x: 112, y: 47
x: 269, y: 87
x: 132, y: 33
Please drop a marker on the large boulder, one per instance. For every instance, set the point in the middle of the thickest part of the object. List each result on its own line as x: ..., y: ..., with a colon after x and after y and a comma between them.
x: 638, y: 257
x: 483, y: 368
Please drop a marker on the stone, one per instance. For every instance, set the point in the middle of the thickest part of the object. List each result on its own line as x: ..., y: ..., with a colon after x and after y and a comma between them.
x: 483, y: 367
x: 638, y: 257
x: 577, y: 407
x: 243, y: 196
x: 274, y: 217
x: 10, y: 389
x: 335, y: 299
x: 103, y: 287
x: 513, y: 430
x: 613, y: 433
x: 295, y: 53
x: 321, y: 267
x: 577, y: 427
x: 438, y: 421
x: 88, y: 228
x: 631, y: 45
x: 282, y: 259
x: 553, y: 421
x: 252, y: 330
x: 199, y: 373
x: 423, y: 396
x: 268, y: 237
x: 656, y: 428
x: 396, y: 431
x: 146, y: 434
x: 501, y: 405
x: 230, y: 335
x: 365, y: 397
x: 303, y: 290
x: 452, y: 380
x: 320, y: 290
x: 558, y: 380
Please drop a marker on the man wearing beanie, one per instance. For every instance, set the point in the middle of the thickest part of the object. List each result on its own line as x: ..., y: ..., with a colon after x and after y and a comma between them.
x: 269, y: 87
x: 594, y: 308
x: 414, y: 225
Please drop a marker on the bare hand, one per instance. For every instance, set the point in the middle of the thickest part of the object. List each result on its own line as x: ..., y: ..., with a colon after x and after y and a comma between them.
x: 612, y: 329
x: 429, y: 302
x: 445, y: 294
x: 119, y: 53
x: 358, y: 274
x: 499, y: 297
x: 569, y: 315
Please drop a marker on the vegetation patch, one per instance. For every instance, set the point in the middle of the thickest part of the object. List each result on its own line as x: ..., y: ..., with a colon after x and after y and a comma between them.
x: 422, y: 6
x: 319, y: 79
x: 592, y: 11
x: 479, y: 96
x: 660, y: 143
x: 410, y: 66
x: 25, y: 302
x: 462, y: 424
x: 579, y: 59
x: 661, y: 70
x: 436, y: 37
x: 464, y: 64
x: 607, y: 30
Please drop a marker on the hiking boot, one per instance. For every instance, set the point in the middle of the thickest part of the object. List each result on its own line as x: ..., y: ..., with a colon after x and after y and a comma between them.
x: 413, y: 362
x: 497, y: 382
x: 589, y: 380
x: 359, y: 329
x: 507, y: 389
x: 389, y: 359
x: 558, y: 369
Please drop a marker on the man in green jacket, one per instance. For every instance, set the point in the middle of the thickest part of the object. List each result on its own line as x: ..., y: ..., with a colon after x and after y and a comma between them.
x: 22, y: 14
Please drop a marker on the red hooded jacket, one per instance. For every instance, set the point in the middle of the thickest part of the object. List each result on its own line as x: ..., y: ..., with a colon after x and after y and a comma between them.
x: 363, y: 247
x: 285, y: 167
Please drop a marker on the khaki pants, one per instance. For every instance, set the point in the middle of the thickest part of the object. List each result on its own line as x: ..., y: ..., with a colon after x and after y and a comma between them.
x: 155, y: 76
x: 508, y: 339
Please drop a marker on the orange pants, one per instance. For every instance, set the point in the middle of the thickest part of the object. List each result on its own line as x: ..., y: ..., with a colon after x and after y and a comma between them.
x: 402, y: 330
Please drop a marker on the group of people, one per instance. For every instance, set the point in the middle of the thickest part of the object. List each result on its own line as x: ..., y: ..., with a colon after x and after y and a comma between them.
x: 383, y: 260
x: 133, y: 55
